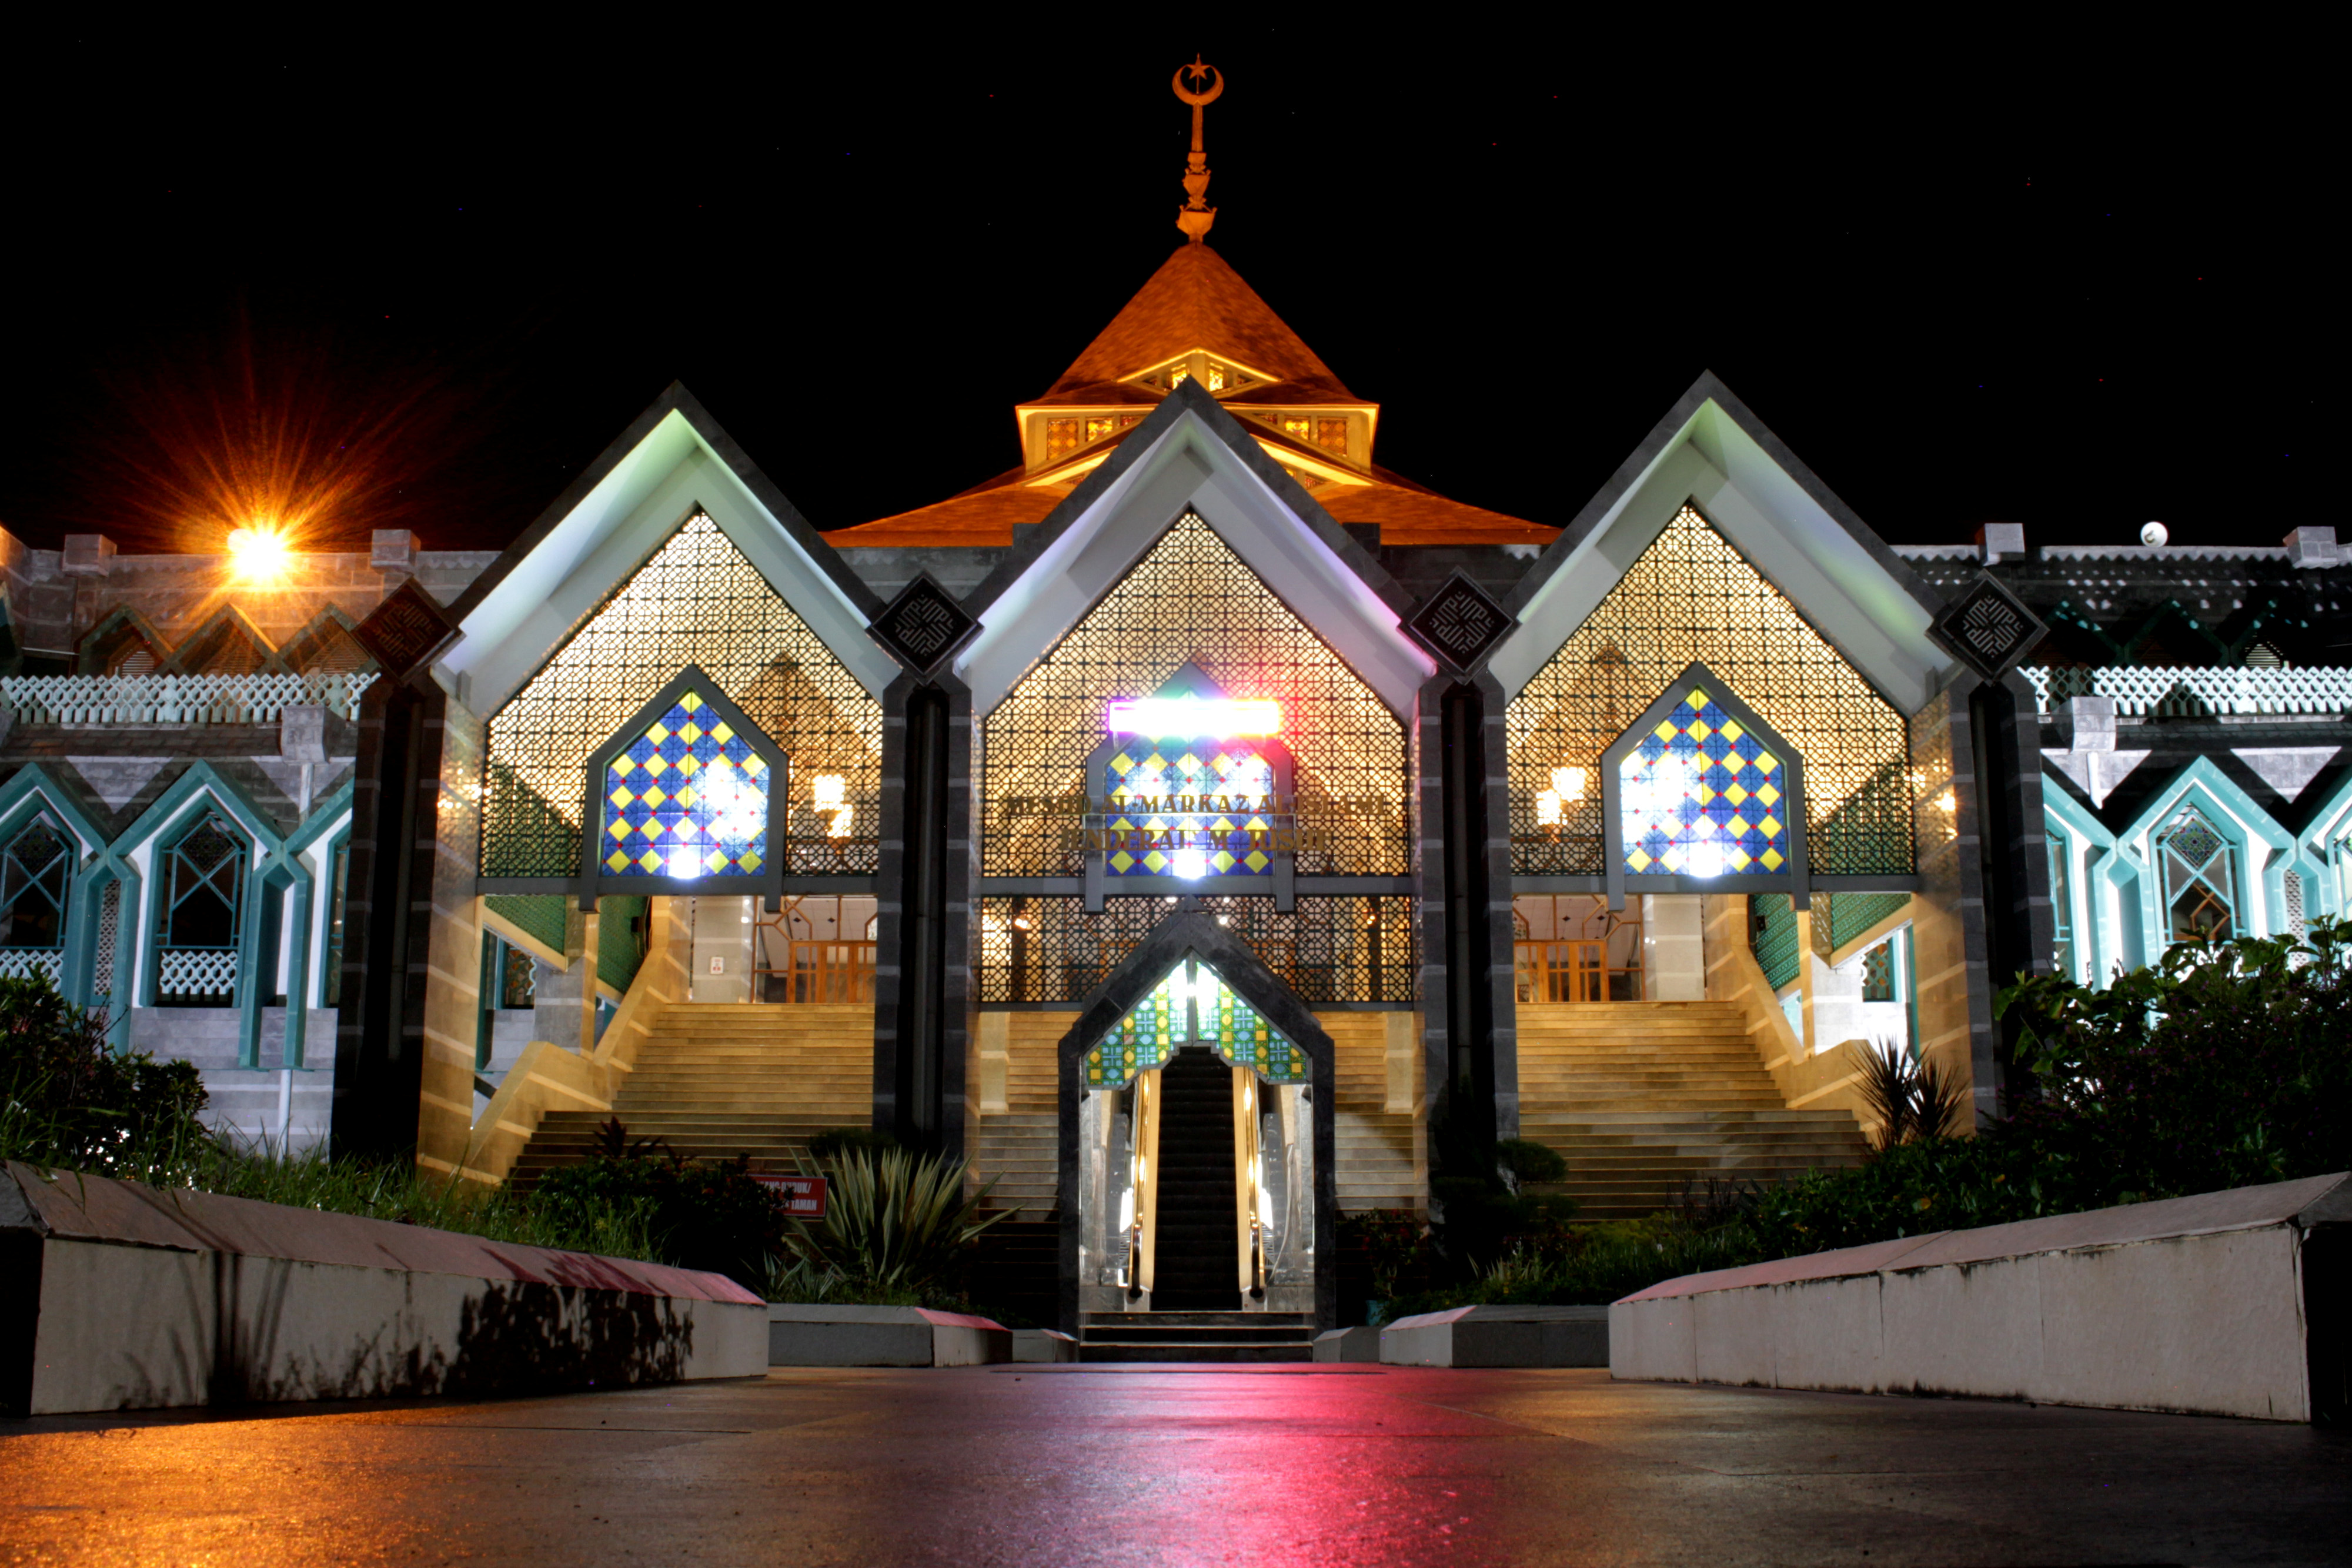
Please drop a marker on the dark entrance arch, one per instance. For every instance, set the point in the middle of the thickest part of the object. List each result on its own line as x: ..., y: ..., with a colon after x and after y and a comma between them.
x: 1189, y: 934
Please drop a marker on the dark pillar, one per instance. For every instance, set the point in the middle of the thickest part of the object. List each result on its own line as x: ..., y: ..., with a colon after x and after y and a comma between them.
x: 1470, y: 1022
x: 387, y: 914
x: 2004, y: 729
x: 922, y: 976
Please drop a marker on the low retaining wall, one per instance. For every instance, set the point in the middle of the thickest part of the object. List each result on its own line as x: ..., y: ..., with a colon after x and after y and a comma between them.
x: 1499, y: 1336
x: 805, y: 1335
x: 2229, y: 1303
x: 115, y: 1296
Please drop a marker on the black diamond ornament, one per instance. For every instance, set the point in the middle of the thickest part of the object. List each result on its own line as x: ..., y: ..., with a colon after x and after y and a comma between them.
x: 1460, y: 623
x: 1988, y: 627
x: 923, y: 625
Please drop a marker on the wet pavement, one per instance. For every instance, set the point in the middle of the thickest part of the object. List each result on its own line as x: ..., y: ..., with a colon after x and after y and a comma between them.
x: 1134, y: 1465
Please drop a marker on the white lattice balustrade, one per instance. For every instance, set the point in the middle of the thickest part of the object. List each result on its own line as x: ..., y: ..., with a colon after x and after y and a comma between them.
x: 179, y: 699
x: 2140, y: 690
x: 196, y: 971
x: 25, y: 962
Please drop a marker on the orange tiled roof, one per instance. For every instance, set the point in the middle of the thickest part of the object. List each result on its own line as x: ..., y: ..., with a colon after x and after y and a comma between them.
x: 1196, y: 301
x: 1407, y: 513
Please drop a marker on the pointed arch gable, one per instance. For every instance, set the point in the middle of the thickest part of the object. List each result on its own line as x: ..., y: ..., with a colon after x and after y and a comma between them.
x: 699, y: 601
x: 1190, y: 455
x: 31, y: 789
x: 1689, y: 596
x: 98, y: 646
x: 1192, y: 600
x: 673, y: 462
x: 325, y: 642
x: 1712, y: 451
x: 2269, y: 849
x: 216, y: 635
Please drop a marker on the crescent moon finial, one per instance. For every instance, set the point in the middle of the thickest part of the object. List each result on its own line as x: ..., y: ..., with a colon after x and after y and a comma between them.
x: 1208, y: 83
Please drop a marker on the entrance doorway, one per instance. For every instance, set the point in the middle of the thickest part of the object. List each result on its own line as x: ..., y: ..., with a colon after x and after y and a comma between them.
x: 1198, y: 1238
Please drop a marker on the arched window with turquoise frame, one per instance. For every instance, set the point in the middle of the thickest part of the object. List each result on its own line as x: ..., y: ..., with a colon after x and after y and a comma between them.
x: 2199, y: 879
x: 2203, y: 862
x: 200, y: 886
x: 36, y: 876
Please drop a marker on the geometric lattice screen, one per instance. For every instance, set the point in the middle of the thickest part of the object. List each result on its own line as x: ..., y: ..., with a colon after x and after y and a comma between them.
x: 1691, y: 597
x: 1326, y: 949
x: 697, y: 601
x: 1192, y: 599
x: 1192, y: 1003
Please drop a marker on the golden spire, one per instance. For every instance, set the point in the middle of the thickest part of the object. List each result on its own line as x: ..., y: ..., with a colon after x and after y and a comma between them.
x: 1196, y: 216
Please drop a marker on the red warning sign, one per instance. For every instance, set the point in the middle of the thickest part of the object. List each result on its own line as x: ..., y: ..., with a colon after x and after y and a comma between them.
x: 802, y: 1195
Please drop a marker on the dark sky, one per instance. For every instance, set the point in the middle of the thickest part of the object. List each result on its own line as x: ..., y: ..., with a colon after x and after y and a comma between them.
x: 418, y: 279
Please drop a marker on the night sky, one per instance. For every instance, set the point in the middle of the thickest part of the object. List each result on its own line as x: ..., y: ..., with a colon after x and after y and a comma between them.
x: 418, y: 279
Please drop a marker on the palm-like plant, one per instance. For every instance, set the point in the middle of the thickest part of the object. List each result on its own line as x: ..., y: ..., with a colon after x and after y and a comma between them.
x: 1912, y: 1098
x: 893, y: 1220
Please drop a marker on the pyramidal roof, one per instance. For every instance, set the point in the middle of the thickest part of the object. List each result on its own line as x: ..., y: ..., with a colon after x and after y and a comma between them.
x: 1197, y: 301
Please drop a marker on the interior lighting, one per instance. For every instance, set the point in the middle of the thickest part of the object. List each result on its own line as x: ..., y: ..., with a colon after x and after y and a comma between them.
x: 1191, y: 864
x: 257, y: 554
x: 1569, y: 782
x: 1190, y: 716
x: 1547, y: 808
x: 830, y: 792
x: 684, y: 863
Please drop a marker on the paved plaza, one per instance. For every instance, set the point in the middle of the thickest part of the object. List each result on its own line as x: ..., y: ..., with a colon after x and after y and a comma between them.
x: 1143, y: 1464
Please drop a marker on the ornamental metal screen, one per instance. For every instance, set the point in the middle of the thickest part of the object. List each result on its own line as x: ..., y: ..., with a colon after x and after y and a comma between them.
x: 1191, y: 598
x: 1692, y: 597
x: 696, y: 602
x: 1050, y: 950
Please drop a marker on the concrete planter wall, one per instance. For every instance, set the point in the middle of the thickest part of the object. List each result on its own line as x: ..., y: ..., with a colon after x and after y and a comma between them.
x: 805, y: 1335
x: 115, y: 1296
x: 2229, y: 1303
x: 1499, y: 1336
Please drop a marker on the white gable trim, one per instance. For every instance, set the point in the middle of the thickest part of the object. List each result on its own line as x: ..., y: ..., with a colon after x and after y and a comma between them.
x: 1771, y: 517
x: 1190, y: 465
x: 623, y: 520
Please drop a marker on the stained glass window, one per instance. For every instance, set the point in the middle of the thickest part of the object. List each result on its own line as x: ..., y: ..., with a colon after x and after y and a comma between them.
x: 1194, y: 810
x: 1690, y: 598
x: 687, y: 799
x: 2199, y: 879
x: 1700, y: 796
x: 1193, y: 1004
x: 1143, y: 1040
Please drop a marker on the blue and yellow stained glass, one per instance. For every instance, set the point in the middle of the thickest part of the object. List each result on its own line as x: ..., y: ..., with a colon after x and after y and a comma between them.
x: 1224, y: 782
x: 1144, y: 1038
x: 1699, y: 796
x: 1244, y: 1037
x: 688, y: 798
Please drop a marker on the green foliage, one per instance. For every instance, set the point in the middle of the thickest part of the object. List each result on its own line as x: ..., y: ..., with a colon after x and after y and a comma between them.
x: 398, y: 1190
x: 1529, y: 1161
x: 715, y: 1216
x: 1478, y: 1216
x: 1911, y: 1098
x: 69, y: 1102
x: 1591, y: 1265
x: 894, y: 1221
x: 1395, y: 1244
x: 799, y: 1279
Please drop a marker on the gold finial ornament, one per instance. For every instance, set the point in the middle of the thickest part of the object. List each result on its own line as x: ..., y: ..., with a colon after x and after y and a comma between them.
x: 1196, y: 216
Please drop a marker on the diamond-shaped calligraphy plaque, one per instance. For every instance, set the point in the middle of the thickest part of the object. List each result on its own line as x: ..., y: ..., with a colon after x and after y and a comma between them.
x: 407, y: 631
x: 1988, y: 627
x: 1460, y: 623
x: 923, y: 625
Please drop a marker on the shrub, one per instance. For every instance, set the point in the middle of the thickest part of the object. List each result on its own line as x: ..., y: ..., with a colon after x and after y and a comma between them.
x: 68, y: 1101
x: 1528, y: 1160
x: 398, y: 1190
x: 894, y: 1221
x: 715, y: 1216
x: 1911, y: 1098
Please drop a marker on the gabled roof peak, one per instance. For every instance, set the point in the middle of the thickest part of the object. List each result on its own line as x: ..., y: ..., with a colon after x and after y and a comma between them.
x: 1195, y: 301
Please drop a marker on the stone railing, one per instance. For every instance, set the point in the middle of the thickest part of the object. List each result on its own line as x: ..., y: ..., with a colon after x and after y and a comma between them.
x: 196, y: 971
x: 25, y: 962
x: 2144, y: 691
x: 178, y: 699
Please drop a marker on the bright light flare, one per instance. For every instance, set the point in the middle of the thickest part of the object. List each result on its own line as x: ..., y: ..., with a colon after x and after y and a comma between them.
x: 1190, y: 716
x: 259, y: 554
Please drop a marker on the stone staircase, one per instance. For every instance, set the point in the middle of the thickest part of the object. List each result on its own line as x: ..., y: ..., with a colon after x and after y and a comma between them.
x: 1643, y: 1099
x: 715, y: 1080
x: 1196, y: 1336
